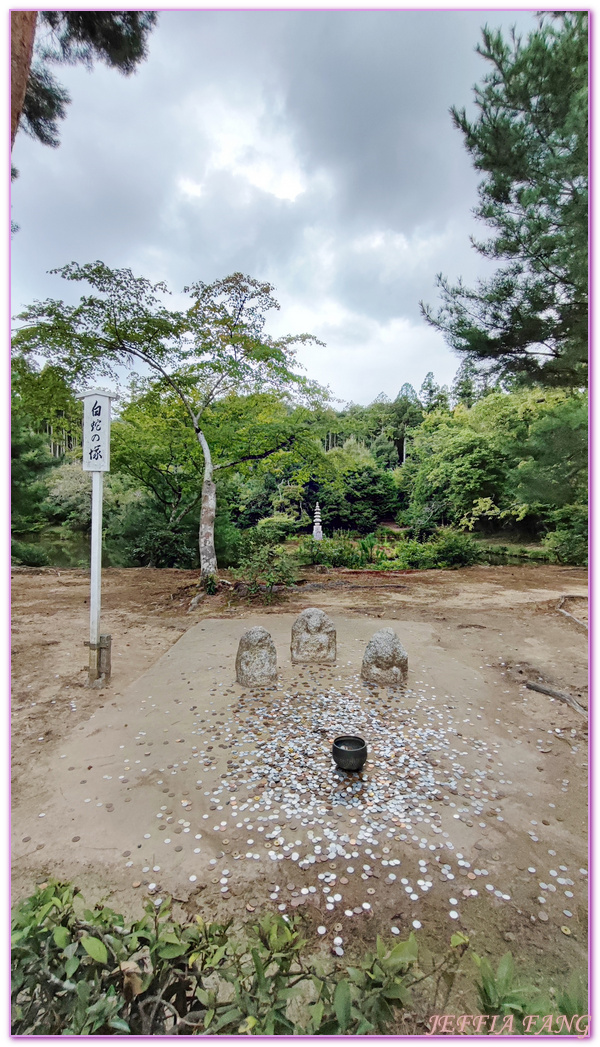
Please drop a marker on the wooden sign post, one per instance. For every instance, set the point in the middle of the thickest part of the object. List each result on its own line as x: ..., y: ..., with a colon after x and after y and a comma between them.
x: 96, y: 459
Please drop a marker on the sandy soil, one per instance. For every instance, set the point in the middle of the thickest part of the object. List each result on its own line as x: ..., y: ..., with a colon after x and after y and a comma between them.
x: 498, y: 771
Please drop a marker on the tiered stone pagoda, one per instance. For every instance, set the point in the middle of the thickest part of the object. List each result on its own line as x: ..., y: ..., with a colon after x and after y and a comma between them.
x: 317, y: 529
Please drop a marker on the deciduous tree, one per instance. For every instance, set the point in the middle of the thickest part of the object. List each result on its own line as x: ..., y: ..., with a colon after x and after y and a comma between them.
x: 216, y: 347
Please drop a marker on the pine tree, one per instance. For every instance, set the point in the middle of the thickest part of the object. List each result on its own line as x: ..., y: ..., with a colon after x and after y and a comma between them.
x: 530, y: 140
x: 38, y: 102
x: 433, y: 397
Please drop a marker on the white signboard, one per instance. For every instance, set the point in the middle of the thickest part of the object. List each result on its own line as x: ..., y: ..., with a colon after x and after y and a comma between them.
x: 96, y: 432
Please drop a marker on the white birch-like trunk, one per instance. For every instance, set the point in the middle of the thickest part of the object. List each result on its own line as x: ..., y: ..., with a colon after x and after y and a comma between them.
x: 206, y: 534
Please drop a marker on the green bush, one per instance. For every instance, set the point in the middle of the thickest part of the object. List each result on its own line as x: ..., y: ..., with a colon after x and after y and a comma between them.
x: 227, y: 539
x: 261, y: 564
x: 26, y: 554
x: 332, y: 552
x: 447, y: 548
x: 279, y: 526
x: 142, y: 536
x: 161, y: 546
x: 77, y: 971
x: 453, y: 549
x: 80, y: 971
x: 568, y: 544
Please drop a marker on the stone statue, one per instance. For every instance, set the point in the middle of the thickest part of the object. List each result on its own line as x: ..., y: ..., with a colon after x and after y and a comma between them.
x: 313, y: 637
x: 385, y: 662
x: 256, y: 661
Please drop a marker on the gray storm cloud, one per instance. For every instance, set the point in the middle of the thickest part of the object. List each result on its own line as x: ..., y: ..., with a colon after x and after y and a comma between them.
x: 310, y: 148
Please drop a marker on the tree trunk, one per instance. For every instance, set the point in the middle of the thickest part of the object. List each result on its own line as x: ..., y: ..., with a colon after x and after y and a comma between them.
x: 22, y: 33
x: 206, y: 535
x: 208, y: 559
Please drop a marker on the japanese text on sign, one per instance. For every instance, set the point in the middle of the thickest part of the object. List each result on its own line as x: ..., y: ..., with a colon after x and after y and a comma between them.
x: 96, y: 433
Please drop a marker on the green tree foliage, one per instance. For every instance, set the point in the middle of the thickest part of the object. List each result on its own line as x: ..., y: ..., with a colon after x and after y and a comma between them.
x: 117, y: 38
x: 407, y: 412
x: 46, y: 398
x: 452, y: 464
x: 153, y: 443
x: 30, y: 463
x: 514, y: 462
x: 216, y: 347
x: 553, y: 474
x: 384, y: 420
x: 553, y: 467
x: 357, y: 499
x: 529, y: 138
x: 513, y: 459
x: 385, y: 453
x: 433, y: 397
x: 470, y: 384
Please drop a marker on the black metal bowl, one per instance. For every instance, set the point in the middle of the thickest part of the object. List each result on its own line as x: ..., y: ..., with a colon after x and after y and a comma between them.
x: 349, y: 752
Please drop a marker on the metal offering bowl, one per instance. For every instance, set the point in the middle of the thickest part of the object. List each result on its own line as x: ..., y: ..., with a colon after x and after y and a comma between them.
x: 349, y: 752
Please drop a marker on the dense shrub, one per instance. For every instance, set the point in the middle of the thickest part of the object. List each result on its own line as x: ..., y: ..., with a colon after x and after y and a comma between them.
x: 140, y: 535
x: 262, y: 564
x: 453, y: 549
x: 28, y: 555
x: 332, y: 552
x: 447, y: 548
x: 358, y: 499
x: 568, y: 544
x: 160, y: 546
x: 278, y: 527
x: 227, y: 539
x: 80, y: 971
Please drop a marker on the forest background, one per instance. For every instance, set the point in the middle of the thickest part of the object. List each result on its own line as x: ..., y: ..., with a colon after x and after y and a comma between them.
x: 438, y: 477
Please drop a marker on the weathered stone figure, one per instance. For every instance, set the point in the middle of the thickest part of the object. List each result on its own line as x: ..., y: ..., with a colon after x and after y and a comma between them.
x: 385, y: 661
x: 256, y: 661
x: 313, y: 637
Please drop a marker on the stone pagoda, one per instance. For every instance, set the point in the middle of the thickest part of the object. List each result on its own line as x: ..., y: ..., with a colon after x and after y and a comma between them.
x: 317, y: 529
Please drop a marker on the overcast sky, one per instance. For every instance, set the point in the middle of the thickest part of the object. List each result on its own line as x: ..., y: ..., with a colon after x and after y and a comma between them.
x: 312, y: 149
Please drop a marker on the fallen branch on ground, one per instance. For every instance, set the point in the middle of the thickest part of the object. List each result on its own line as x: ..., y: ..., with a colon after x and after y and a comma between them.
x: 562, y: 697
x: 568, y: 614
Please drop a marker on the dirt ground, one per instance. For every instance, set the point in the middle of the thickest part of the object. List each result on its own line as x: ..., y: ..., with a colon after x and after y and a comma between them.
x: 513, y: 800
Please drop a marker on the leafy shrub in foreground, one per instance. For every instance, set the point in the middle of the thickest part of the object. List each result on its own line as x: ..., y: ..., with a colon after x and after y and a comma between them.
x: 262, y: 565
x: 80, y: 971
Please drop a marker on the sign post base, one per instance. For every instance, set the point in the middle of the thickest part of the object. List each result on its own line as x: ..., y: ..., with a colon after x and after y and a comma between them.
x: 100, y: 660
